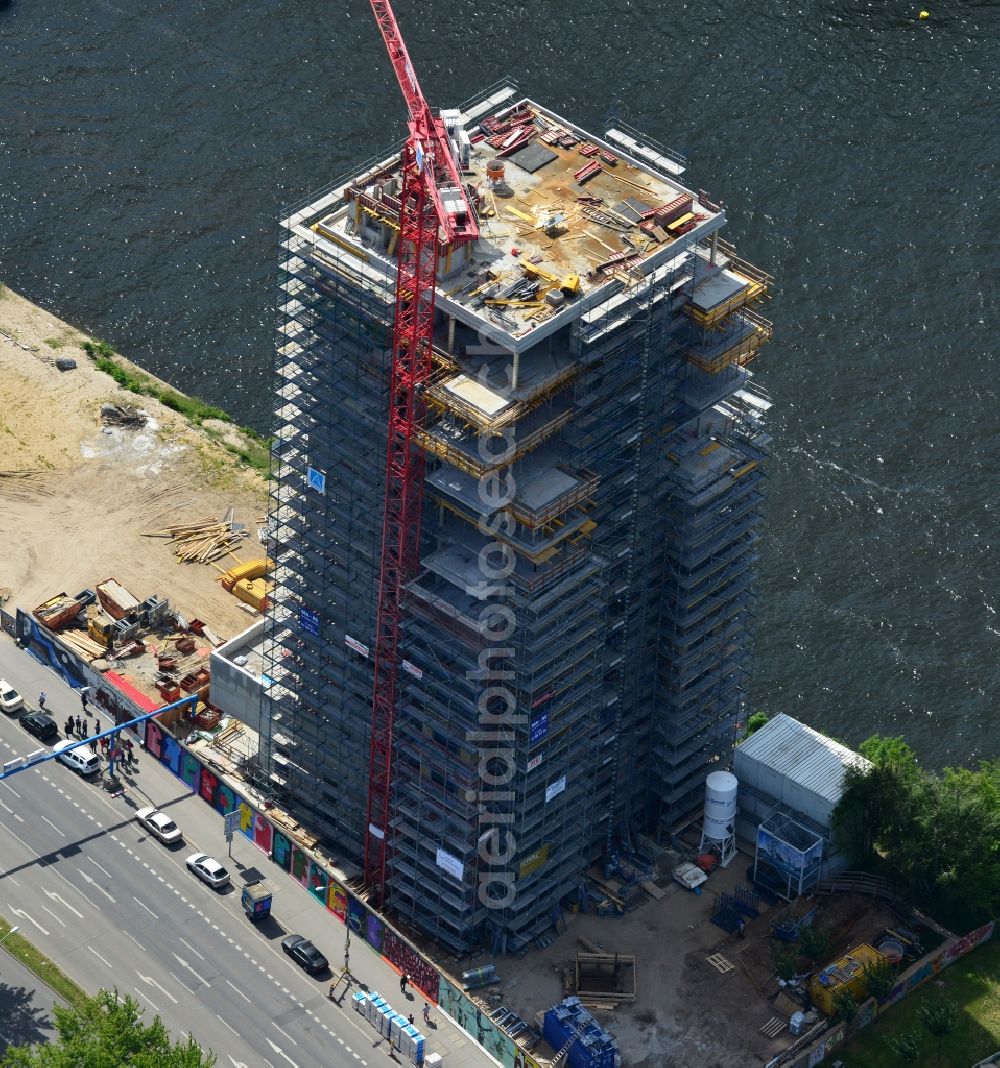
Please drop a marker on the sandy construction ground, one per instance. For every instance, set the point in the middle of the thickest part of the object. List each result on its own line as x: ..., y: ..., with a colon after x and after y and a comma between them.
x: 74, y: 495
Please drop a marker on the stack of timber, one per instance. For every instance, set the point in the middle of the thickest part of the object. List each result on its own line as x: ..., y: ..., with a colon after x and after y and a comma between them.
x: 84, y: 645
x: 200, y: 541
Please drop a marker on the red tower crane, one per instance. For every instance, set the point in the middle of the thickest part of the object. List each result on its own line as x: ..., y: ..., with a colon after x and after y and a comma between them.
x: 434, y: 208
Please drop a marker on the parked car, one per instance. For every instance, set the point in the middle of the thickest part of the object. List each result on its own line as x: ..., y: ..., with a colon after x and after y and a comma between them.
x: 208, y: 869
x: 80, y: 759
x: 43, y: 727
x: 10, y: 700
x: 159, y: 825
x: 304, y: 953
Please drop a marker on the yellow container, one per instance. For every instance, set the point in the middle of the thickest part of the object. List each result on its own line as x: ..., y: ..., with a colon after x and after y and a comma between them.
x: 254, y: 569
x: 848, y: 973
x: 252, y: 592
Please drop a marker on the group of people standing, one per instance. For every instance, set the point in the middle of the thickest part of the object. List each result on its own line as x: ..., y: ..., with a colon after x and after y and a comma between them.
x: 79, y: 727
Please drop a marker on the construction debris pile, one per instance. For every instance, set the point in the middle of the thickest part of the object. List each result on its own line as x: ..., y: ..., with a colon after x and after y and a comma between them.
x: 123, y: 415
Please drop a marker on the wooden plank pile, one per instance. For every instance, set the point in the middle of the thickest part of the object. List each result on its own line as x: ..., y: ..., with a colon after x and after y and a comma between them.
x: 84, y: 645
x: 201, y: 541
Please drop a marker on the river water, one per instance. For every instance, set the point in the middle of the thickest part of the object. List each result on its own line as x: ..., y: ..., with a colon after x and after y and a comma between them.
x: 145, y: 150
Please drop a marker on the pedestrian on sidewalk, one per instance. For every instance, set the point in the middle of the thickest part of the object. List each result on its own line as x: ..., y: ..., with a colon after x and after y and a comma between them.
x: 68, y: 728
x: 427, y: 1012
x: 104, y: 747
x: 42, y: 698
x: 129, y: 757
x: 403, y: 980
x: 93, y: 746
x: 83, y: 697
x: 741, y: 928
x: 410, y: 1018
x: 79, y: 727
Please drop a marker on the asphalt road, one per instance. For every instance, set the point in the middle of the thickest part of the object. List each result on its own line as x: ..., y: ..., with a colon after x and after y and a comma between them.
x: 25, y: 1005
x: 117, y: 909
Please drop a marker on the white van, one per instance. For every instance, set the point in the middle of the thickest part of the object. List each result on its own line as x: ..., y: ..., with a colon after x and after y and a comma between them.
x: 80, y: 759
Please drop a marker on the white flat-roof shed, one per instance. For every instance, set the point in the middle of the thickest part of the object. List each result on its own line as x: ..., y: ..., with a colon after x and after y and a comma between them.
x: 790, y: 763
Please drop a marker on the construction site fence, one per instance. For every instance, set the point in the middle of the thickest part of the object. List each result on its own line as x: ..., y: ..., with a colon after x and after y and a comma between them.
x: 297, y: 860
x: 828, y: 1036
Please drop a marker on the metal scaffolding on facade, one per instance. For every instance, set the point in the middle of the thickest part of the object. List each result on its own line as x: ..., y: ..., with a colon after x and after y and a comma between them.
x: 621, y: 435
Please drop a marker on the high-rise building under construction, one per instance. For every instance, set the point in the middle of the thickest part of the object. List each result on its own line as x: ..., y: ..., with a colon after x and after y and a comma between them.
x: 575, y: 644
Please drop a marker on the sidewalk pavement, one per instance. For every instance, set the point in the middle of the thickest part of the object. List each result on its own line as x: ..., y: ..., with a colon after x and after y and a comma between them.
x: 25, y: 1005
x: 294, y: 909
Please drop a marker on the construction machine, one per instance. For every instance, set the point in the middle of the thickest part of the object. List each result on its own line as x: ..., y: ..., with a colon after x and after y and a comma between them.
x: 569, y: 283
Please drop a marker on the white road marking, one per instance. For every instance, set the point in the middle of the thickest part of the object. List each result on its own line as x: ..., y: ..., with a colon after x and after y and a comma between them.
x: 142, y: 995
x: 146, y: 907
x: 235, y: 1063
x: 281, y: 1053
x: 184, y: 964
x: 193, y: 950
x: 152, y: 982
x: 98, y: 956
x: 53, y: 896
x: 94, y: 884
x: 3, y: 782
x: 136, y: 940
x: 231, y: 1028
x: 58, y: 919
x: 30, y: 919
x: 96, y: 865
x: 285, y: 1033
x: 240, y: 992
x: 52, y: 825
x: 181, y: 981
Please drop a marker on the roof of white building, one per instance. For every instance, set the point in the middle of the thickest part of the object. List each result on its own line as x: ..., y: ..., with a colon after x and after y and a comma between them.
x: 801, y: 755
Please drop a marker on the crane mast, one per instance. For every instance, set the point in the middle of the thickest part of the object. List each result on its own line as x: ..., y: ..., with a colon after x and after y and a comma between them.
x: 434, y: 207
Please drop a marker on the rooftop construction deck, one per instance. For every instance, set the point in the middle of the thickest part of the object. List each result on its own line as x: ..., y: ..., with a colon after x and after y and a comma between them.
x: 562, y: 214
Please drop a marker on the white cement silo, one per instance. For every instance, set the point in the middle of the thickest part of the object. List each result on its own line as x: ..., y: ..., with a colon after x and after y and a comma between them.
x: 719, y: 827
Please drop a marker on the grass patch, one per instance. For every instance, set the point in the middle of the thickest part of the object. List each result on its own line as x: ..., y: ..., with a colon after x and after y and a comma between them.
x: 256, y: 454
x: 21, y: 949
x: 973, y: 982
x: 55, y: 342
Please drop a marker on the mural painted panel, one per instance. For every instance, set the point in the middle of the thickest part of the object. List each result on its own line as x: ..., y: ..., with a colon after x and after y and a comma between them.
x: 337, y: 901
x: 357, y: 916
x: 263, y: 834
x: 318, y: 882
x: 189, y: 771
x: 208, y: 785
x: 154, y: 738
x: 480, y: 1027
x: 373, y: 936
x: 423, y: 975
x: 246, y: 819
x: 225, y: 798
x: 299, y: 866
x: 170, y: 753
x: 281, y: 850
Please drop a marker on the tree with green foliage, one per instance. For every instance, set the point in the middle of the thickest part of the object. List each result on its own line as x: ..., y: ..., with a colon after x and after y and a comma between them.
x: 939, y: 835
x: 844, y: 1006
x: 756, y: 721
x: 813, y: 942
x: 940, y: 1018
x: 905, y: 1044
x: 879, y: 979
x: 785, y: 961
x: 103, y: 1031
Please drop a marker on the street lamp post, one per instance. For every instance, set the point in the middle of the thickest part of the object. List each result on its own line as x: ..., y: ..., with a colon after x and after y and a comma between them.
x: 13, y: 930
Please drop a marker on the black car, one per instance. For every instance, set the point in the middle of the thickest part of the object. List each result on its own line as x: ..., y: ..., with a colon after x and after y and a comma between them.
x: 305, y: 954
x: 43, y: 727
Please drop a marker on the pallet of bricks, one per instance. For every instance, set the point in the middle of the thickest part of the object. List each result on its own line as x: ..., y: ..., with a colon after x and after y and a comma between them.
x: 393, y: 1026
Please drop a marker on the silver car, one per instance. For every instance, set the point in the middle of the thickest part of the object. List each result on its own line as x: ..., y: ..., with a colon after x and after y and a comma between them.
x: 208, y: 869
x: 160, y: 825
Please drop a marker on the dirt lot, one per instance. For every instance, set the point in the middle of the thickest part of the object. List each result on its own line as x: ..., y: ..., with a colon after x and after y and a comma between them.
x: 74, y: 496
x: 686, y: 1012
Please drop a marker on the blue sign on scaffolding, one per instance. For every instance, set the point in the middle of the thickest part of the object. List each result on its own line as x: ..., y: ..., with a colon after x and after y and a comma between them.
x: 316, y: 479
x: 309, y: 621
x: 539, y: 727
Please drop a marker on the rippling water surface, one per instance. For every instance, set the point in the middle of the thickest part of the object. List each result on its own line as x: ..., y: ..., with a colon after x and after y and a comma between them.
x: 145, y: 150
